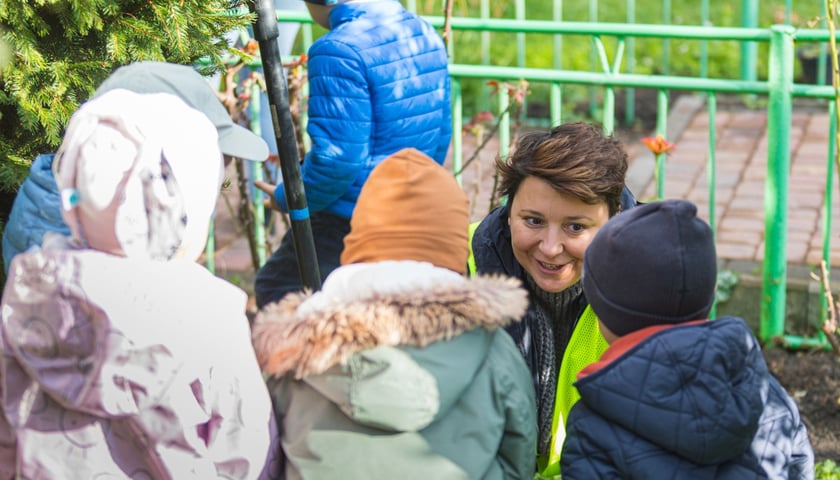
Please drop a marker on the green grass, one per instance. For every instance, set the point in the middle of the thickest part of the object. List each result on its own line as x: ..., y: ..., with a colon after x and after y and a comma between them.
x: 648, y: 56
x: 827, y: 470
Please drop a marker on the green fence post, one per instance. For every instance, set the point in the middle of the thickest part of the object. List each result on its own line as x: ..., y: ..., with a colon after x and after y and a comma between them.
x: 779, y: 112
x: 661, y: 129
x: 666, y: 42
x: 749, y: 50
x: 608, y: 112
x: 556, y: 91
x: 484, y: 104
x: 520, y: 36
x: 823, y: 60
x: 630, y: 97
x: 593, y: 59
x: 556, y: 104
x: 704, y: 44
x: 520, y: 53
x: 457, y: 127
x: 504, y: 123
x: 306, y: 42
x: 210, y: 248
x: 711, y: 172
x: 827, y: 204
x: 257, y: 174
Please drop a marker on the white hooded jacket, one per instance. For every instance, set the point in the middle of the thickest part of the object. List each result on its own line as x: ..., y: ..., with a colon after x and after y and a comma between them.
x: 121, y: 356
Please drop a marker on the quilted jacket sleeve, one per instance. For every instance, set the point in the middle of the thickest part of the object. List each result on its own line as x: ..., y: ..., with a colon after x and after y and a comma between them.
x: 36, y: 210
x: 445, y: 137
x: 339, y: 124
x: 781, y: 443
x: 584, y: 455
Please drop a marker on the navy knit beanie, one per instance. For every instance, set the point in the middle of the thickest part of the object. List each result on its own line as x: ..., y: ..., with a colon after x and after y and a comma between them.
x: 653, y: 264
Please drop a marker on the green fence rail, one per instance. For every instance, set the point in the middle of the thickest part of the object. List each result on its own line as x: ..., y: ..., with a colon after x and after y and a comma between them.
x: 779, y: 89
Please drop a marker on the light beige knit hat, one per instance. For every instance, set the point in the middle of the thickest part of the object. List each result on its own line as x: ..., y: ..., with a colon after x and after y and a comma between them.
x: 410, y: 208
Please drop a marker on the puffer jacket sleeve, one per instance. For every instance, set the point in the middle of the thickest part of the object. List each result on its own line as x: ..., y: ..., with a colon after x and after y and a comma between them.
x: 781, y: 443
x: 339, y: 125
x: 517, y: 451
x: 445, y: 137
x: 36, y: 210
x: 584, y: 454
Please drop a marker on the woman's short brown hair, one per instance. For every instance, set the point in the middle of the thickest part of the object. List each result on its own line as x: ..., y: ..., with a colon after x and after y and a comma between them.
x: 577, y: 159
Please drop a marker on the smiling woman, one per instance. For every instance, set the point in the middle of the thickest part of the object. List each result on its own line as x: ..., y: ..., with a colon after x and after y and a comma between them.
x: 550, y: 232
x: 562, y: 186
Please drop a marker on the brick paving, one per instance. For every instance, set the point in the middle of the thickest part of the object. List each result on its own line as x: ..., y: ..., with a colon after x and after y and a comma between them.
x: 741, y: 155
x: 741, y: 170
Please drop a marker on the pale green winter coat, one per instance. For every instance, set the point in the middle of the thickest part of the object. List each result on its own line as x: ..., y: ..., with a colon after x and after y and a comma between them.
x: 400, y: 370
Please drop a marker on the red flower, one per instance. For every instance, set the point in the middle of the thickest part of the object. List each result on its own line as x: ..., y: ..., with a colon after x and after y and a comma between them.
x: 479, y: 122
x: 658, y: 144
x: 251, y: 47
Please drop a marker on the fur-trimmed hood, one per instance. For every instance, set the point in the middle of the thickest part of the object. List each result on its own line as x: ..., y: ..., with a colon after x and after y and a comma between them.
x: 391, y: 303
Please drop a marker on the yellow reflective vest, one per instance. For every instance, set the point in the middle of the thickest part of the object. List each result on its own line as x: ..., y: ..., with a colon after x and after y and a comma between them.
x: 585, y: 346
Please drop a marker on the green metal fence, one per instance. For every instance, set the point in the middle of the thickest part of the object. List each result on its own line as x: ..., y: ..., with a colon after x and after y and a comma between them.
x: 639, y: 55
x: 778, y: 89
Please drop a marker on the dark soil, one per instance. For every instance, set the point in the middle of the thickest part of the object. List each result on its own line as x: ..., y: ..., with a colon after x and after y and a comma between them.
x: 812, y: 378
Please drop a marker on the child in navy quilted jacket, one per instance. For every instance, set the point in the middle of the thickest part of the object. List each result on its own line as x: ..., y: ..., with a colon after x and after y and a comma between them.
x: 675, y: 395
x: 378, y: 83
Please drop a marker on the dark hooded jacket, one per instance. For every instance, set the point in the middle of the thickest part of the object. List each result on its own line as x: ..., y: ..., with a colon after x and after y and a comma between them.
x: 690, y: 401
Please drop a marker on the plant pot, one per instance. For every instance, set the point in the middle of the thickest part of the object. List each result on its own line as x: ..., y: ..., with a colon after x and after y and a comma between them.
x: 808, y: 60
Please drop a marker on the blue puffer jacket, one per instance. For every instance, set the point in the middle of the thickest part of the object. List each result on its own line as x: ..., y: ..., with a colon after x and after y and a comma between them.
x: 689, y: 401
x: 378, y: 83
x: 36, y: 211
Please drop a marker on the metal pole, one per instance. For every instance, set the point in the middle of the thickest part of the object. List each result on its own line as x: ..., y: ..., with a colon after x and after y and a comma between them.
x: 749, y: 50
x: 556, y: 93
x: 630, y: 98
x: 256, y: 172
x: 711, y: 172
x: 457, y: 126
x: 661, y: 129
x: 266, y: 33
x: 827, y: 205
x: 779, y: 112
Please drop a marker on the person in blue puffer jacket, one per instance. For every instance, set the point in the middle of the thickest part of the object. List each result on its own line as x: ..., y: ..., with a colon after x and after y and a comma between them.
x: 378, y: 83
x: 675, y: 395
x: 36, y: 209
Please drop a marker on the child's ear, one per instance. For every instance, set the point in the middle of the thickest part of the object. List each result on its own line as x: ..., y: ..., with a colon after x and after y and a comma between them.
x: 608, y: 335
x: 320, y: 14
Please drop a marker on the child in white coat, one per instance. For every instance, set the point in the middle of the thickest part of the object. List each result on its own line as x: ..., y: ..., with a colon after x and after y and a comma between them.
x: 121, y: 356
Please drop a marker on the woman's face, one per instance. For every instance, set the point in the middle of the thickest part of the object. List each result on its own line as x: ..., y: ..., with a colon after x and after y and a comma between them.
x: 550, y: 232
